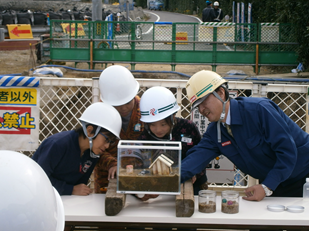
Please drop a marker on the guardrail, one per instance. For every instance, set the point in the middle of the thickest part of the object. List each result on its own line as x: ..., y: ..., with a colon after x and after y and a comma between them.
x: 173, y: 43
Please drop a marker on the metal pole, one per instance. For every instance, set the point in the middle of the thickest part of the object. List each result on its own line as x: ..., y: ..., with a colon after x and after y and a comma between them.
x: 91, y: 54
x: 2, y: 34
x: 127, y: 9
x: 97, y: 10
x: 256, y: 60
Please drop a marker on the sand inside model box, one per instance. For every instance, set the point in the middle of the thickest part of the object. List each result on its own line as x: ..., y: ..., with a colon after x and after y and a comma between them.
x: 148, y: 182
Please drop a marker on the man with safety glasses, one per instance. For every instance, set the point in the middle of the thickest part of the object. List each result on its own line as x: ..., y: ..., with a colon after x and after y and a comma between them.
x: 253, y: 133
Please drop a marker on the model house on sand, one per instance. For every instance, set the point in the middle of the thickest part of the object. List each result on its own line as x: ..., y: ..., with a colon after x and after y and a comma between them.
x: 162, y: 165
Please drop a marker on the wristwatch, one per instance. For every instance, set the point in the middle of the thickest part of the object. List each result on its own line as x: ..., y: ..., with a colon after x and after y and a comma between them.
x: 268, y: 192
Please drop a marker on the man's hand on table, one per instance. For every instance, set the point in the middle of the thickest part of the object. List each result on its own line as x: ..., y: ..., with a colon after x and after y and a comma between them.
x: 254, y: 193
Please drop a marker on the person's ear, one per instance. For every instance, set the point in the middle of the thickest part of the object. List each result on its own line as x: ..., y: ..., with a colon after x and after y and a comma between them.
x: 222, y: 93
x: 89, y: 130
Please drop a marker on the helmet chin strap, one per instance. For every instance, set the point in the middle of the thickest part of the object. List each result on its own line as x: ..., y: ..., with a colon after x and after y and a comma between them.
x: 172, y: 122
x: 92, y: 154
x: 219, y: 140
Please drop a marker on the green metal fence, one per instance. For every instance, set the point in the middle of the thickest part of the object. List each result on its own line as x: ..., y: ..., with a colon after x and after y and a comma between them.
x: 173, y: 43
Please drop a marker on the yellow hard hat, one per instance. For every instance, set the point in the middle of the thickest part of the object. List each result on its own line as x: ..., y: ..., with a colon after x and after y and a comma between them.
x: 201, y: 85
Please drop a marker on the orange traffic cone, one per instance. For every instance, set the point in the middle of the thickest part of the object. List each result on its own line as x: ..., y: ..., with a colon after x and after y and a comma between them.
x: 118, y: 29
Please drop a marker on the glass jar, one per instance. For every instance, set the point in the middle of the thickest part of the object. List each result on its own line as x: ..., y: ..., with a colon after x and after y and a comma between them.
x: 230, y: 202
x: 306, y: 189
x: 207, y: 201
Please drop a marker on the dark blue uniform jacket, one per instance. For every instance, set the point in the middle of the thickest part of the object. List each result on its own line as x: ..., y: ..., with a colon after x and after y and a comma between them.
x: 60, y: 157
x: 267, y: 144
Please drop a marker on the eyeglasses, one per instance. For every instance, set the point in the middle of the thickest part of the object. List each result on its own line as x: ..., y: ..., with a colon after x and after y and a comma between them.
x: 111, y: 142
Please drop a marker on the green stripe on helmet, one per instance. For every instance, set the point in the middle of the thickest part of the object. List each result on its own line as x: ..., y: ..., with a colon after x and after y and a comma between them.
x: 204, y: 90
x: 161, y: 110
x: 166, y: 108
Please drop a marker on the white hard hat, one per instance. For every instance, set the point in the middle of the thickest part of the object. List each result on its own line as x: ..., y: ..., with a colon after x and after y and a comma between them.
x: 104, y: 116
x: 216, y: 4
x: 29, y: 201
x: 117, y: 85
x: 157, y: 103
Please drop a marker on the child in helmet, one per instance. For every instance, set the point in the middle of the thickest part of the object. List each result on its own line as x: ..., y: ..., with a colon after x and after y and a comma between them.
x: 118, y: 88
x: 158, y: 108
x: 68, y: 158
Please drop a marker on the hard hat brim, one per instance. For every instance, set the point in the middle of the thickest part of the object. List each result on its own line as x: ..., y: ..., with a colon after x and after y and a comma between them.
x: 199, y: 101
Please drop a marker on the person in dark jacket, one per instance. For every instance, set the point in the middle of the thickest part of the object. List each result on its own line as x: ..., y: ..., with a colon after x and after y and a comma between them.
x: 253, y: 133
x: 158, y: 109
x: 208, y: 14
x: 68, y: 158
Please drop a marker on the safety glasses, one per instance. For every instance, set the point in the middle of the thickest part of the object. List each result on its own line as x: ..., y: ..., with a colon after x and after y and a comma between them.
x: 111, y: 142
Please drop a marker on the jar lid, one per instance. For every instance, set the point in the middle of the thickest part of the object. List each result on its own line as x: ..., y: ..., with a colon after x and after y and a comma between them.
x: 281, y: 208
x: 276, y: 208
x: 295, y: 209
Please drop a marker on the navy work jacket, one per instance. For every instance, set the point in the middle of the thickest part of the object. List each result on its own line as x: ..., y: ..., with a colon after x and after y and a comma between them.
x: 267, y: 144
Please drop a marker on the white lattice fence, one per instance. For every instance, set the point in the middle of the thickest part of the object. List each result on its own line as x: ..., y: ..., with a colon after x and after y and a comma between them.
x: 63, y: 100
x: 293, y: 100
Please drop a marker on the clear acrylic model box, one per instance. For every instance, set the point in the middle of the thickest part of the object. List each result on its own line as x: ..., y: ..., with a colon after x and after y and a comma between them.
x: 149, y: 167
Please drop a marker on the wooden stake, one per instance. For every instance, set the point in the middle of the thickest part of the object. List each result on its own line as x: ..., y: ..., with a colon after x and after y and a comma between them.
x: 114, y: 202
x: 185, y: 202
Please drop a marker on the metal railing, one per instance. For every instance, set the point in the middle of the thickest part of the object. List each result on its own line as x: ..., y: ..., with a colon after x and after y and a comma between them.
x: 173, y: 43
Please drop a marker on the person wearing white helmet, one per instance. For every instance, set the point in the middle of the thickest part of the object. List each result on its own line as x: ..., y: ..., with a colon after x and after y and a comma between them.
x: 219, y: 15
x: 118, y: 88
x: 68, y: 158
x: 158, y: 110
x: 253, y: 133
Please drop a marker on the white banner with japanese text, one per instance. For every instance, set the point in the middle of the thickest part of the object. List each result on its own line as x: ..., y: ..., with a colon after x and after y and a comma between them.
x: 19, y: 113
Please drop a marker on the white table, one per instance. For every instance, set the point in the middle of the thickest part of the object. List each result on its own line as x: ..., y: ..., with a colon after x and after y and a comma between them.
x: 160, y: 212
